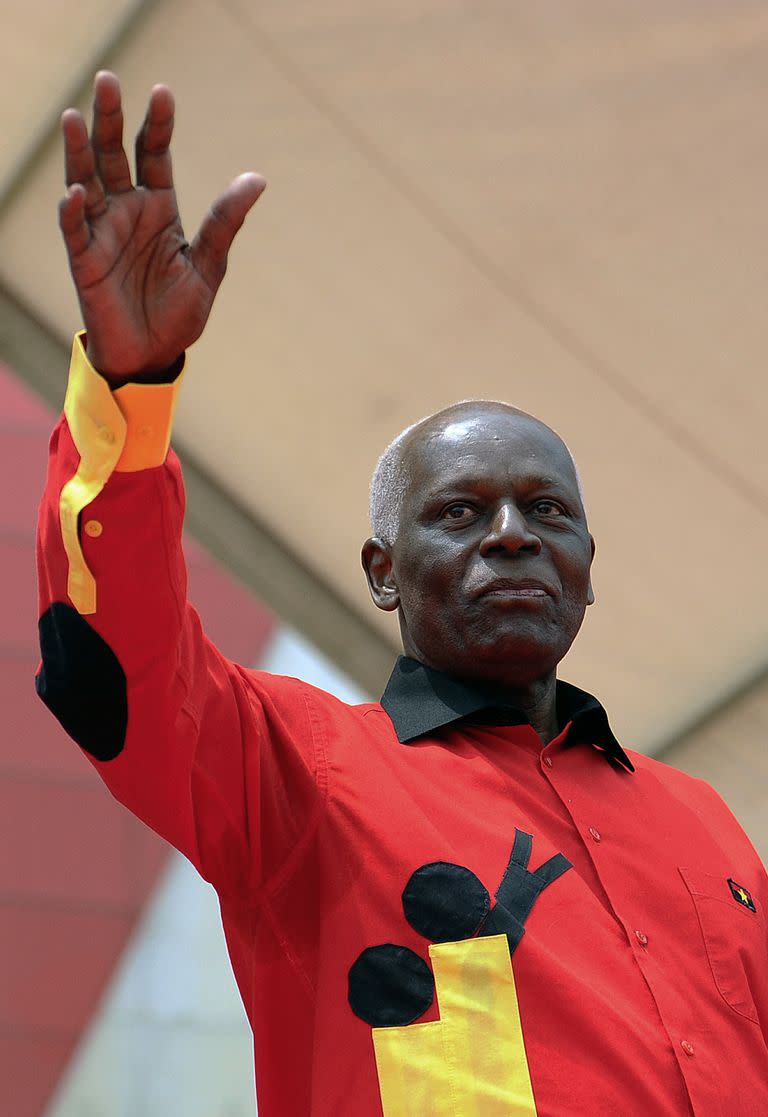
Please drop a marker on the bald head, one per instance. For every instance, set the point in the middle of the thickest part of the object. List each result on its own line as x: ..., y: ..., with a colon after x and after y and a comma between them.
x: 455, y: 425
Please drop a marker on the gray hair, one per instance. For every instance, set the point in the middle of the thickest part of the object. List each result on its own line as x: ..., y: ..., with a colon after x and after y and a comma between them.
x: 389, y: 482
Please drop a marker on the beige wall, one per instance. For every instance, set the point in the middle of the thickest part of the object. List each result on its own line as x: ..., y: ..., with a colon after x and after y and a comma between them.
x: 729, y: 751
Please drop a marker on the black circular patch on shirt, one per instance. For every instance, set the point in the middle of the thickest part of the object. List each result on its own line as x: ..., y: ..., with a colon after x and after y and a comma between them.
x: 445, y: 902
x: 82, y: 683
x: 390, y: 985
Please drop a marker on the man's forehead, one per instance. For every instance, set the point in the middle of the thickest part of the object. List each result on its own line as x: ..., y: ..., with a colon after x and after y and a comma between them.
x: 476, y: 432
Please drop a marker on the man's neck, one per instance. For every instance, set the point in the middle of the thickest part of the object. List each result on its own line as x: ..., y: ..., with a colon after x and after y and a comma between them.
x: 539, y: 705
x: 537, y: 700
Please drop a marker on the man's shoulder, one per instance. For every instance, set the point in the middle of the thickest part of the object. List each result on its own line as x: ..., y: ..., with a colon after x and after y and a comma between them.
x: 674, y: 779
x: 662, y: 769
x: 692, y: 792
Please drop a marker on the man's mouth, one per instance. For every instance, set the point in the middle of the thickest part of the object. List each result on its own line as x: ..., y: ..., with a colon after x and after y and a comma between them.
x: 514, y: 588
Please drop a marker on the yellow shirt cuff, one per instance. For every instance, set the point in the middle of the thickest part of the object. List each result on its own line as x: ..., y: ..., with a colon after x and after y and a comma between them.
x: 125, y: 430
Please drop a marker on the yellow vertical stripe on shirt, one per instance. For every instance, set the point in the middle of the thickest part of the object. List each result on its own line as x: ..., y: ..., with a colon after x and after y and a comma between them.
x: 472, y: 1061
x: 482, y: 1032
x: 411, y: 1066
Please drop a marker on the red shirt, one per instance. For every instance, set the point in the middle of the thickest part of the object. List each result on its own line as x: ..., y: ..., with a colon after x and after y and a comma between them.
x: 628, y: 976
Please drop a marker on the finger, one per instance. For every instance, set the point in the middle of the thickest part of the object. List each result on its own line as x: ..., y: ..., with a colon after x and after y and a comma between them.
x: 153, y: 143
x: 74, y: 227
x: 221, y: 223
x: 79, y: 163
x: 107, y: 134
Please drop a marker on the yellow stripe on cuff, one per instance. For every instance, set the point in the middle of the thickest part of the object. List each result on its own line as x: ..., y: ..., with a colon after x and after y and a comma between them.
x: 127, y: 431
x: 148, y: 410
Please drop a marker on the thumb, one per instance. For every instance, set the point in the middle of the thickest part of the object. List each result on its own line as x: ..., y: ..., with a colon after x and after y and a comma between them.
x: 210, y: 247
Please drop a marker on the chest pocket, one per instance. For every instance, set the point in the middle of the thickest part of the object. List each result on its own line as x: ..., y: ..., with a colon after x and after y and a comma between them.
x: 734, y: 936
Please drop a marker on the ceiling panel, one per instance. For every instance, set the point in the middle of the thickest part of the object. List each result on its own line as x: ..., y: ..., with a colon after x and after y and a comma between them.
x: 603, y: 165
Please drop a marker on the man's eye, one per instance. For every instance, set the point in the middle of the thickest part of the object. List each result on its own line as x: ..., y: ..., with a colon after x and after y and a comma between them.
x: 457, y: 512
x: 549, y: 508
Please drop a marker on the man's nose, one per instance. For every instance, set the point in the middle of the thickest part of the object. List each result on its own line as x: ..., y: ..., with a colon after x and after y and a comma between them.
x: 509, y: 531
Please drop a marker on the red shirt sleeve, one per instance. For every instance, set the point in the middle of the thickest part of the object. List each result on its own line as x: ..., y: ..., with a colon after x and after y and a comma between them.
x: 225, y: 763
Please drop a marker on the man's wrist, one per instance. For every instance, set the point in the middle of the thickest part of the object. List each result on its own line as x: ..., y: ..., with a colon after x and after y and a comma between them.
x: 161, y: 376
x: 165, y: 374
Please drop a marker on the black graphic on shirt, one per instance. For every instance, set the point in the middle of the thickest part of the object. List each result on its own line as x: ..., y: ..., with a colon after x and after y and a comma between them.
x: 82, y: 682
x: 391, y: 985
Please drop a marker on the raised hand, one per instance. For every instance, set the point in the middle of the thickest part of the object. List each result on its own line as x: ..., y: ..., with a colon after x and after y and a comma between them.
x: 144, y: 292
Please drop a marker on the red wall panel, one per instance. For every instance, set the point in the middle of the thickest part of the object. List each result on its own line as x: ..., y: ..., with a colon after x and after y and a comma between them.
x: 75, y: 868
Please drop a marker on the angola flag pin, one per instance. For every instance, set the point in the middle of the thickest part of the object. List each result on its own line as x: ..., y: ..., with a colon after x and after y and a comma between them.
x: 741, y: 895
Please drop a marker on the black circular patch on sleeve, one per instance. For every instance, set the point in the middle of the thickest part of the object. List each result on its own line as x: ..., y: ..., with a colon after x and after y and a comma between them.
x: 82, y: 683
x: 445, y: 902
x: 390, y: 985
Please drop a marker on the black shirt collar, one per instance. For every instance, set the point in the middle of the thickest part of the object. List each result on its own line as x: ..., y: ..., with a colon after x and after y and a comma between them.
x: 419, y: 700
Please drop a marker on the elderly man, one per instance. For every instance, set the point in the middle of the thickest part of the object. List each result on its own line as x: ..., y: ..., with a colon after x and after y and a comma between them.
x: 465, y: 899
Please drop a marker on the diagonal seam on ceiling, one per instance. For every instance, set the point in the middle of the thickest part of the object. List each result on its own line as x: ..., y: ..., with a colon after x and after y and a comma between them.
x: 721, y: 707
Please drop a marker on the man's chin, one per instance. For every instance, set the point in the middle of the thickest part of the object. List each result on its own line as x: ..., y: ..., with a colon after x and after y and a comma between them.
x: 515, y: 659
x: 515, y: 654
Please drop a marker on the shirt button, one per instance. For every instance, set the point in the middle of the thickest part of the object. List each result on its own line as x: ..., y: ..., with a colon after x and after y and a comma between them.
x: 641, y: 938
x: 548, y: 761
x: 93, y: 528
x: 687, y: 1047
x: 595, y: 834
x: 107, y: 436
x: 146, y: 431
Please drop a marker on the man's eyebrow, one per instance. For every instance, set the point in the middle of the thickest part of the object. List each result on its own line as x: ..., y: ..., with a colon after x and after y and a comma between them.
x: 438, y: 489
x: 553, y: 482
x: 475, y: 480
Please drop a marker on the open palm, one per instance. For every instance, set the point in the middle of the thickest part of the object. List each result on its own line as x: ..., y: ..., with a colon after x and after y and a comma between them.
x: 145, y: 293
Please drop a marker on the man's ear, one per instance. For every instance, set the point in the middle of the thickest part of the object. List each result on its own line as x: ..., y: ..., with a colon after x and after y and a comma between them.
x: 377, y: 564
x: 590, y: 591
